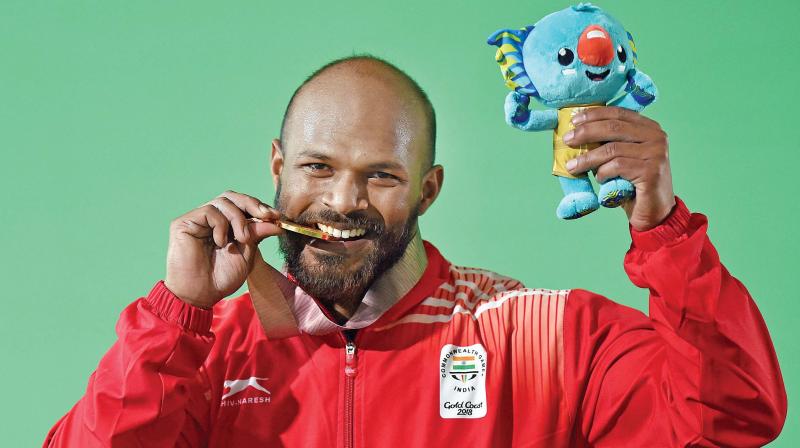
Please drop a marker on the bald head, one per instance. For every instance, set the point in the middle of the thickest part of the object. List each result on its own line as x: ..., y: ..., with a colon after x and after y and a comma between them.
x: 358, y: 88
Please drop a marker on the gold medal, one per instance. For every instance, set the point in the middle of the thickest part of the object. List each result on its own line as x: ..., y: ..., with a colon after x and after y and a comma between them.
x: 297, y: 228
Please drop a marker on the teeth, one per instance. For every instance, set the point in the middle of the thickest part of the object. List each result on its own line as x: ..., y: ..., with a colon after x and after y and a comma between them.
x: 339, y: 233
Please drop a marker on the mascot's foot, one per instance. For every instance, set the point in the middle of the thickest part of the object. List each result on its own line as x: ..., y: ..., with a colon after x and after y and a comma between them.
x: 615, y: 191
x: 575, y: 205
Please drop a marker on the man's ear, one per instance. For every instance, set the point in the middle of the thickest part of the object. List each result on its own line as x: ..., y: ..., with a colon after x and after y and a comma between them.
x: 276, y: 161
x: 431, y: 186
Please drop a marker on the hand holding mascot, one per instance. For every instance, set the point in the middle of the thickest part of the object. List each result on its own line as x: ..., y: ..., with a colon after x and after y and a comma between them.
x: 570, y: 60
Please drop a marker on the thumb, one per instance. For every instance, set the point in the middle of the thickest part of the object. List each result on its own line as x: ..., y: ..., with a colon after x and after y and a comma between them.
x: 262, y: 230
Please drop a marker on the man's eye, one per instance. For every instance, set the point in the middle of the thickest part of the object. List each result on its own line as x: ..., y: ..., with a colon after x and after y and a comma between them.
x: 383, y: 178
x: 313, y: 167
x: 382, y: 175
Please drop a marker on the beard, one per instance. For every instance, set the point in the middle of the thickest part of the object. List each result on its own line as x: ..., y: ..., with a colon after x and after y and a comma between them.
x: 330, y: 279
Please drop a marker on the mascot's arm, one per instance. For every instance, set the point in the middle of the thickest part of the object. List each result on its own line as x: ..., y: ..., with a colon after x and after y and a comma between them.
x: 519, y: 116
x: 639, y: 92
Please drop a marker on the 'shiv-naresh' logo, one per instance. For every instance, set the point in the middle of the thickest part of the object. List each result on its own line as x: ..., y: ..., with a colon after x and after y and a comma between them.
x: 236, y: 386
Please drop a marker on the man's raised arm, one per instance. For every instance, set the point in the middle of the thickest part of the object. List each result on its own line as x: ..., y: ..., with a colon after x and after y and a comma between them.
x: 701, y: 371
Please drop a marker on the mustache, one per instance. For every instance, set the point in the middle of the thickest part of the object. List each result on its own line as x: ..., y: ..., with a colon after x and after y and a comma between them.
x: 350, y: 220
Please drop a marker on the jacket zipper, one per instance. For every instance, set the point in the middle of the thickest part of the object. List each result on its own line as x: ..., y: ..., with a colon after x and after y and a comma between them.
x: 350, y: 360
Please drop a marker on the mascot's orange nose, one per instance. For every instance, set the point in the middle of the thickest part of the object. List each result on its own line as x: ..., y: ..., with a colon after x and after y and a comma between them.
x: 595, y: 46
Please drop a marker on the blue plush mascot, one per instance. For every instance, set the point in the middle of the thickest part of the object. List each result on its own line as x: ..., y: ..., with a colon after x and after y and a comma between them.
x: 572, y: 59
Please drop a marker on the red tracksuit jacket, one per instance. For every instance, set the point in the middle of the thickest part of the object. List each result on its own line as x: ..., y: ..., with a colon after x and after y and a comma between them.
x: 466, y: 358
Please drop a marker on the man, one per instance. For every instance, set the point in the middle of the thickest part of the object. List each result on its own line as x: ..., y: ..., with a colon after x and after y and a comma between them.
x: 396, y: 346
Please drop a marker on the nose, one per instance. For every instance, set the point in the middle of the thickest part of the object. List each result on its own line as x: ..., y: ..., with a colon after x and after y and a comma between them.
x: 345, y: 195
x: 595, y: 46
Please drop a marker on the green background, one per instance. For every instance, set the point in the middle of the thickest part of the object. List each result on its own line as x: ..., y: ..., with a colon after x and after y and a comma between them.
x: 116, y: 117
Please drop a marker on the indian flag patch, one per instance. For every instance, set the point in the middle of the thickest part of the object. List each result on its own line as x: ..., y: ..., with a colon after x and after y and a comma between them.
x: 462, y: 381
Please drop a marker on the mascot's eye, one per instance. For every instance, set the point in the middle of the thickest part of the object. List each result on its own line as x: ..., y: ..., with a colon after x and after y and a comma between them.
x: 621, y: 54
x: 565, y: 56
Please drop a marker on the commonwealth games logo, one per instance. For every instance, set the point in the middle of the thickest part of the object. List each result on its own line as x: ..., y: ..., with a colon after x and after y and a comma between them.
x: 464, y: 368
x: 462, y: 383
x: 463, y: 364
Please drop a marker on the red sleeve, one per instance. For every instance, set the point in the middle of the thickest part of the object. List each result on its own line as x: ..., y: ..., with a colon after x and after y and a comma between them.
x: 700, y: 371
x: 148, y: 390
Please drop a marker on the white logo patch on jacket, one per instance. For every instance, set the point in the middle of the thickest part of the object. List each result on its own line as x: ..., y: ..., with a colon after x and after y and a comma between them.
x: 462, y: 381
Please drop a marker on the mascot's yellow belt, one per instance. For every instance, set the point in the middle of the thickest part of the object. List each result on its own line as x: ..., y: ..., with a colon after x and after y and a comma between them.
x: 561, y: 152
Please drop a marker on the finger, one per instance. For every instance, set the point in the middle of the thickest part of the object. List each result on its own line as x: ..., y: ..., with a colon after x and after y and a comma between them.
x: 606, y: 131
x: 261, y: 230
x: 252, y: 205
x: 603, y: 154
x: 206, y: 221
x: 234, y: 215
x: 624, y: 167
x: 611, y: 113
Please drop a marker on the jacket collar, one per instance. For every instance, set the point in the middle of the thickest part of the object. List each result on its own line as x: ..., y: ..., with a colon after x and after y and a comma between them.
x: 285, y: 310
x: 385, y: 292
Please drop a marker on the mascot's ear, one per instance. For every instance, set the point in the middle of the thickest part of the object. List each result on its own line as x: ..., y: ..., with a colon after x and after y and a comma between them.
x: 639, y: 87
x: 509, y: 57
x: 635, y: 55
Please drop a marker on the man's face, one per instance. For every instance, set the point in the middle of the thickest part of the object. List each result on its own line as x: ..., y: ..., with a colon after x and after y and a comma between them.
x: 353, y: 161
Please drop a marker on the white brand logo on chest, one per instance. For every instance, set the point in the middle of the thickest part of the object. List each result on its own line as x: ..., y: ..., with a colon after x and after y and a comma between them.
x: 235, y: 387
x: 462, y: 381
